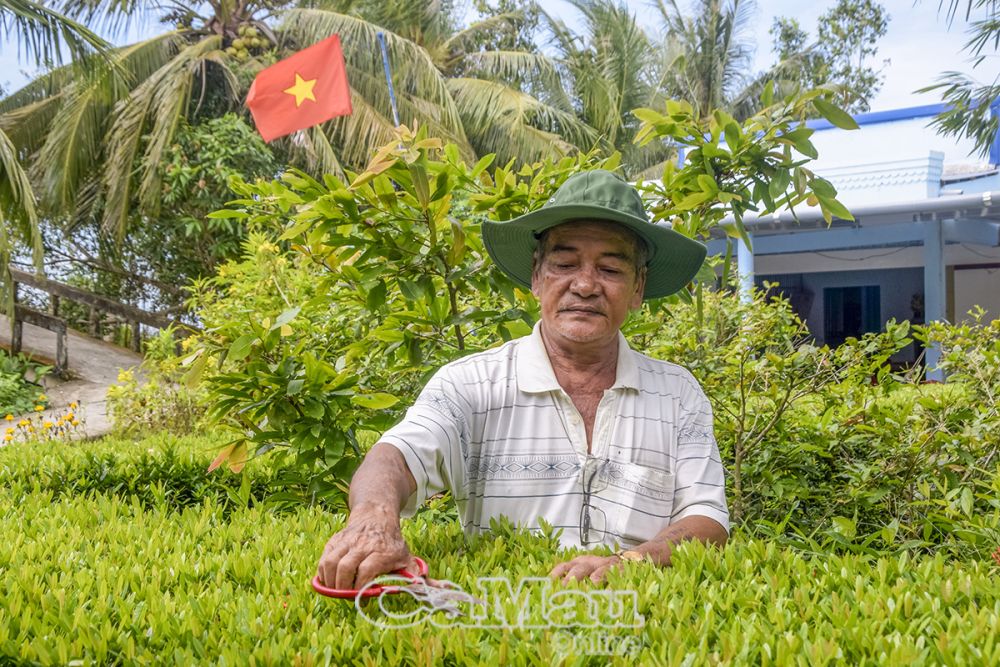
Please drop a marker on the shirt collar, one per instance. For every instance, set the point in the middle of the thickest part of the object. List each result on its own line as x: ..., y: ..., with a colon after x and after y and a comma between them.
x: 535, y: 374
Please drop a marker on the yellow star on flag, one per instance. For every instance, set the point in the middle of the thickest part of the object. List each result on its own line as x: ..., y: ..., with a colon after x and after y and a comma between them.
x: 303, y: 90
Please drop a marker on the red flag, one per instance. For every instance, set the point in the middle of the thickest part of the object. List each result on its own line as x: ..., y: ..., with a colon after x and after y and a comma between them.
x: 303, y: 90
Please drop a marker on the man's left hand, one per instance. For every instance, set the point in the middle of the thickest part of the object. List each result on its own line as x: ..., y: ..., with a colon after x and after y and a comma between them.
x: 594, y: 568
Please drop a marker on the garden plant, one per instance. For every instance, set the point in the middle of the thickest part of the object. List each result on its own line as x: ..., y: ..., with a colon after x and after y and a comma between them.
x: 865, y: 506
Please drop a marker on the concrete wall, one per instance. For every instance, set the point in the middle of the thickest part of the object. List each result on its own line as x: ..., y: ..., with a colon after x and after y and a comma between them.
x: 903, y: 139
x: 976, y: 287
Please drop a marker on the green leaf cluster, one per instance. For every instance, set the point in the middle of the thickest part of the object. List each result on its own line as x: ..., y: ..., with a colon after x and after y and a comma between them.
x: 93, y: 576
x: 839, y: 449
x: 350, y: 294
x: 733, y: 169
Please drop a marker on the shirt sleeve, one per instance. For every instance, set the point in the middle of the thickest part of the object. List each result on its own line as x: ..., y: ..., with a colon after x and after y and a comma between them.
x: 700, y: 484
x: 430, y: 437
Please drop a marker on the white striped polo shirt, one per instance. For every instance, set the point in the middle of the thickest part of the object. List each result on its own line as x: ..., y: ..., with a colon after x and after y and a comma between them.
x: 497, y: 430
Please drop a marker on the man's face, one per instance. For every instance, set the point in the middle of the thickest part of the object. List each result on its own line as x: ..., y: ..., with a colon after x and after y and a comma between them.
x: 586, y: 283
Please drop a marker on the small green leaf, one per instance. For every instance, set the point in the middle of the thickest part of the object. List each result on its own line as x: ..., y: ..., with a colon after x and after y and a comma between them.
x: 241, y: 347
x: 285, y: 317
x: 227, y: 213
x: 967, y: 501
x: 844, y: 526
x: 835, y: 114
x: 376, y: 401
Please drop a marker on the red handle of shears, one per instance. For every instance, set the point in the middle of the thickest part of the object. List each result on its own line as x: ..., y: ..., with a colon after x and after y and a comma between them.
x: 373, y: 590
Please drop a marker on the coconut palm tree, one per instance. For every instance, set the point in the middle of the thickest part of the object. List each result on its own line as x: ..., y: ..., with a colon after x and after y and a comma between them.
x: 41, y: 33
x: 97, y: 140
x: 612, y: 69
x: 707, y: 57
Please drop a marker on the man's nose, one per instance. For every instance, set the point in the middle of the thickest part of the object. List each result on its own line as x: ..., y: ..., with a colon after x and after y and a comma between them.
x: 585, y: 282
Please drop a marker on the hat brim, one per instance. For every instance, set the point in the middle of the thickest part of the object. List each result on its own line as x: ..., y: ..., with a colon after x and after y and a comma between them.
x: 674, y: 258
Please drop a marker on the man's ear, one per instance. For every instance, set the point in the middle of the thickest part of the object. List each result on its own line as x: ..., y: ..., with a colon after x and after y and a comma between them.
x: 640, y: 286
x: 536, y: 280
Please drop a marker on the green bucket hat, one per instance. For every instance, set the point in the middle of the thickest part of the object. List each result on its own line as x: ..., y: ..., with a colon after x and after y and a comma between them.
x: 674, y: 259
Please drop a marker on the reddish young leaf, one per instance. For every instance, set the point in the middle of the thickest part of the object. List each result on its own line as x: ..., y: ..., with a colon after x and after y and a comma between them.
x: 223, y: 455
x: 239, y: 457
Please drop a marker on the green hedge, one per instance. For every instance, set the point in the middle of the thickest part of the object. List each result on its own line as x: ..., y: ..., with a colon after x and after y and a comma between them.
x: 160, y: 469
x: 108, y: 577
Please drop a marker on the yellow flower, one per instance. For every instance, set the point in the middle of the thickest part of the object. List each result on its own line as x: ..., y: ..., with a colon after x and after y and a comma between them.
x: 41, y: 397
x: 39, y: 408
x: 72, y: 405
x: 31, y: 429
x: 75, y: 423
x: 10, y: 430
x: 9, y: 418
x: 47, y: 425
x: 69, y: 416
x: 8, y: 438
x: 24, y: 422
x: 60, y: 423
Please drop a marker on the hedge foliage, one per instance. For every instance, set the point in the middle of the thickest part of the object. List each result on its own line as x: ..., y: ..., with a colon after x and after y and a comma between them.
x: 353, y: 290
x: 111, y: 576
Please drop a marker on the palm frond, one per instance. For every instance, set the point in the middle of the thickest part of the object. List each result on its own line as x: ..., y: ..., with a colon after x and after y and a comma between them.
x: 74, y: 143
x: 313, y: 148
x: 361, y: 133
x: 515, y: 125
x: 43, y: 31
x: 506, y: 19
x: 414, y: 72
x: 152, y: 111
x: 507, y: 66
x: 17, y: 201
x: 27, y: 126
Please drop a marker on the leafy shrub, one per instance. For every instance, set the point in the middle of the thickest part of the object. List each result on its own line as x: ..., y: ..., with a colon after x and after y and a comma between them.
x: 197, y: 587
x: 124, y: 552
x: 829, y: 449
x: 162, y: 470
x: 153, y: 398
x: 18, y: 394
x: 394, y: 281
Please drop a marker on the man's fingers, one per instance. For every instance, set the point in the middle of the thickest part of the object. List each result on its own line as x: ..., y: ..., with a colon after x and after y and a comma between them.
x: 327, y: 567
x: 598, y: 575
x: 560, y: 569
x: 581, y: 567
x: 378, y: 564
x: 347, y: 570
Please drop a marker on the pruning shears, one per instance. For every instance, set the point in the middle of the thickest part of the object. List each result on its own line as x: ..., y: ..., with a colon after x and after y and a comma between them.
x: 441, y: 595
x: 376, y: 589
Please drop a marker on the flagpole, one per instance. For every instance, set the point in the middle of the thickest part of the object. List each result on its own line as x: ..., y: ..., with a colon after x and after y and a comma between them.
x: 388, y: 77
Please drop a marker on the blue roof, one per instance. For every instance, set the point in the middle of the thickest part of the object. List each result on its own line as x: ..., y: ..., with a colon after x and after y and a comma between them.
x: 909, y: 113
x: 884, y: 116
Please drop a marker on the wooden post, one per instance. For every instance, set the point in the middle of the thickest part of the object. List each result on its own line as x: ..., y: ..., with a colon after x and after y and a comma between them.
x: 136, y: 340
x: 15, y: 341
x: 62, y: 355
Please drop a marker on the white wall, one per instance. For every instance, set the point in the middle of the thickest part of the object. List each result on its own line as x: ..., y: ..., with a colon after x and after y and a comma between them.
x: 977, y: 287
x: 883, y: 142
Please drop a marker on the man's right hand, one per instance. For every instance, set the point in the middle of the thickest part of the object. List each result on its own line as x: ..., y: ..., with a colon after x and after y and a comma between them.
x: 370, y: 545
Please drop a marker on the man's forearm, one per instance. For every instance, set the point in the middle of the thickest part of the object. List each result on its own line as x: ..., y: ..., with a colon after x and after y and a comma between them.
x: 382, y: 484
x: 689, y: 528
x: 371, y: 543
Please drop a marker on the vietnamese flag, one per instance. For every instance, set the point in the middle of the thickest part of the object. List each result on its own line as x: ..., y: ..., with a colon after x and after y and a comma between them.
x: 298, y: 92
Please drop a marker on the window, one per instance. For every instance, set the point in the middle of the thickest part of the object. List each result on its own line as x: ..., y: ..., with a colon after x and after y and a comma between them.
x: 850, y: 312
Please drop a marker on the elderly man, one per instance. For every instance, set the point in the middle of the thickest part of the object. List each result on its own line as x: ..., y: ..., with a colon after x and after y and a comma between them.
x: 567, y: 424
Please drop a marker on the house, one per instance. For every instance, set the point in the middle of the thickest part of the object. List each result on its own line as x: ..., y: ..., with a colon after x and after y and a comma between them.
x: 924, y: 244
